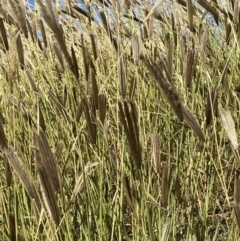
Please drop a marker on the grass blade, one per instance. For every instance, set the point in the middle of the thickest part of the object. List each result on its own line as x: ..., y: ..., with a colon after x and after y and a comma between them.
x: 44, y: 36
x: 190, y: 15
x: 21, y: 171
x: 4, y: 35
x: 212, y: 105
x: 166, y: 179
x: 168, y: 89
x: 47, y: 161
x: 229, y: 126
x: 94, y: 42
x: 136, y: 49
x: 237, y: 201
x: 122, y: 74
x: 166, y: 230
x: 129, y: 119
x: 20, y: 51
x: 90, y: 115
x: 193, y: 123
x: 4, y: 146
x: 48, y: 194
x: 156, y: 152
x: 102, y: 103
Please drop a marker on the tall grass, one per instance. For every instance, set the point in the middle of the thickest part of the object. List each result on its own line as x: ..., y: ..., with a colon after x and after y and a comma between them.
x: 125, y: 129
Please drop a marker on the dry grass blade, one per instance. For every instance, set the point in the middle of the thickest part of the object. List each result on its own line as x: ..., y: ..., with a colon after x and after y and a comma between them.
x: 210, y: 9
x: 5, y: 11
x: 94, y: 88
x: 3, y: 146
x: 166, y: 230
x: 88, y: 169
x: 79, y: 110
x: 21, y: 172
x: 203, y: 42
x: 13, y: 233
x: 183, y: 47
x: 170, y: 92
x: 3, y: 139
x: 86, y: 58
x: 136, y: 49
x: 102, y: 104
x: 20, y: 50
x: 190, y: 66
x: 129, y: 119
x: 150, y: 26
x: 122, y: 74
x: 156, y: 152
x: 174, y: 30
x: 4, y: 35
x: 39, y: 44
x: 190, y: 15
x: 132, y: 88
x: 228, y: 30
x: 60, y: 79
x: 49, y: 16
x: 134, y: 117
x: 18, y: 12
x: 12, y: 226
x: 31, y: 80
x: 65, y: 94
x: 166, y: 179
x: 212, y: 105
x: 59, y: 103
x: 47, y: 160
x: 128, y: 191
x: 75, y: 64
x: 144, y: 32
x: 33, y: 21
x: 76, y: 10
x: 58, y: 54
x: 152, y: 10
x: 94, y: 43
x: 143, y: 76
x: 20, y: 106
x: 225, y: 70
x: 44, y: 36
x: 92, y: 127
x: 7, y: 171
x: 59, y: 149
x: 41, y: 121
x: 5, y: 74
x: 178, y: 190
x: 193, y: 123
x: 30, y: 29
x: 48, y: 194
x: 169, y: 55
x: 200, y: 228
x: 108, y: 30
x: 236, y: 10
x: 229, y: 126
x: 237, y: 201
x: 13, y: 63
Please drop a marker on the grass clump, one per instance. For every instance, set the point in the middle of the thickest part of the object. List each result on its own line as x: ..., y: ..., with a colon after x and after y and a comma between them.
x: 125, y: 129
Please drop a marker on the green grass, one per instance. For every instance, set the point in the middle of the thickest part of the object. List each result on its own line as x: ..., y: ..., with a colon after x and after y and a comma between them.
x: 120, y: 132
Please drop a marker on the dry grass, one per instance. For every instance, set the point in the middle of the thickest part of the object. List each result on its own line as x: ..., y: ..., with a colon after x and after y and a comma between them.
x: 126, y: 129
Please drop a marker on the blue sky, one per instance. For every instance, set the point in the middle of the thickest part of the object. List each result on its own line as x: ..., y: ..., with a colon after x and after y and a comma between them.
x: 82, y: 6
x: 31, y: 3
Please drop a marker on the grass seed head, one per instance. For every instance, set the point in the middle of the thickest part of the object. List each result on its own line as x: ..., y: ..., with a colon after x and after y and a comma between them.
x: 229, y: 126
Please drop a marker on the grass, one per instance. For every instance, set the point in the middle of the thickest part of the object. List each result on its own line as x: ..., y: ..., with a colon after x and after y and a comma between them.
x: 124, y: 130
